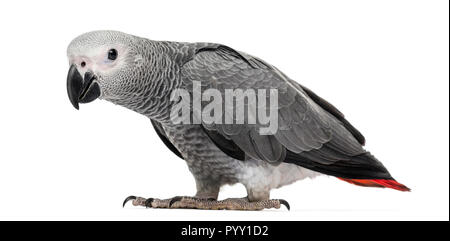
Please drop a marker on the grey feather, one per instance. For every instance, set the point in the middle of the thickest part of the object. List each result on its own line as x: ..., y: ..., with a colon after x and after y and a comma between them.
x: 303, y: 124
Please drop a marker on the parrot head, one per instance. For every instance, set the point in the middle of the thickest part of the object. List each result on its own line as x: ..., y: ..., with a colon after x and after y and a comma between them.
x: 104, y: 64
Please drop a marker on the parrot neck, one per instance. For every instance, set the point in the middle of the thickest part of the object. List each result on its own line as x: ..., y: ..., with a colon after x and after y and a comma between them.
x: 152, y: 107
x: 153, y: 98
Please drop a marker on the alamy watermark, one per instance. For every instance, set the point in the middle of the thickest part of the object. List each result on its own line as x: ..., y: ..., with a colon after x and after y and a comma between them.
x: 234, y: 106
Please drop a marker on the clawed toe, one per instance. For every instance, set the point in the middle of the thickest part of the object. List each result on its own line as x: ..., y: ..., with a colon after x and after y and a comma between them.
x: 128, y: 199
x: 148, y: 202
x: 175, y: 199
x: 207, y: 203
x: 285, y: 203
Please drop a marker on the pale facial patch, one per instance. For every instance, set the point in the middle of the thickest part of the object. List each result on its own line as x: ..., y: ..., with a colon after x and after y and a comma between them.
x: 96, y: 59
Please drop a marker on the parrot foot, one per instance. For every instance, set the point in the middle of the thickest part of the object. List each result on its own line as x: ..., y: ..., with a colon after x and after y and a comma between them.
x: 207, y: 203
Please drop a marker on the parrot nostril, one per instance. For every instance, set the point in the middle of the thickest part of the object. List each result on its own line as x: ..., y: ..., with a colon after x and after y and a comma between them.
x: 83, y: 64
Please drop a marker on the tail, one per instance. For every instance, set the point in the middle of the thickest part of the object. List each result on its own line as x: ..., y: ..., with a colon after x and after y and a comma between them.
x: 377, y: 183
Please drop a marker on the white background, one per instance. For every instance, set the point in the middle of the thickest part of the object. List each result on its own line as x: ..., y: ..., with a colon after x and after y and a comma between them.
x: 383, y: 63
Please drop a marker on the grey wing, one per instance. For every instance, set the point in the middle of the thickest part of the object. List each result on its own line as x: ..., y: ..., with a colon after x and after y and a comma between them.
x: 162, y: 135
x: 334, y: 111
x: 303, y: 125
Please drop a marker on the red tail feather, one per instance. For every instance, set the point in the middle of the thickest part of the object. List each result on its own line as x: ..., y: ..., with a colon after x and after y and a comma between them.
x: 377, y: 183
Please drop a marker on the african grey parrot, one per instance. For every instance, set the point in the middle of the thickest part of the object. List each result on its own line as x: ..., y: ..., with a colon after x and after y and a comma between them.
x: 312, y: 137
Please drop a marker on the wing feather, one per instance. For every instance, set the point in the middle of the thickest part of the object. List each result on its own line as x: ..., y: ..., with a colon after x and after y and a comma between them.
x: 311, y: 133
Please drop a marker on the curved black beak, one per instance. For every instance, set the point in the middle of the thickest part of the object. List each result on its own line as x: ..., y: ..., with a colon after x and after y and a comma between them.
x: 81, y: 90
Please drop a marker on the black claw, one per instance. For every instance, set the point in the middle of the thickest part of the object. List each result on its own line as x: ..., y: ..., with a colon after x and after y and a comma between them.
x: 174, y: 199
x: 148, y: 202
x: 128, y: 199
x: 285, y: 203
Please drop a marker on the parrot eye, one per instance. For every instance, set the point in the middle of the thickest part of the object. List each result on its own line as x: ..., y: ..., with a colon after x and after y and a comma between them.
x: 112, y: 54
